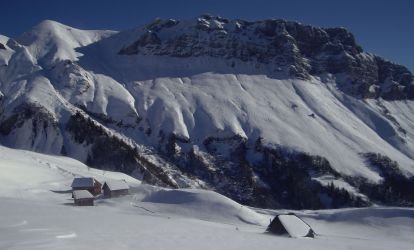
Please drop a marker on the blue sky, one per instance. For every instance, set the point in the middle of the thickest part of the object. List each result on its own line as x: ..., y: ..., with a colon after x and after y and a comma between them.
x: 381, y: 27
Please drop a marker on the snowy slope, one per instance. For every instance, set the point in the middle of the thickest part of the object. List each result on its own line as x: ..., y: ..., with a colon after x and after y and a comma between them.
x: 34, y: 176
x: 38, y: 177
x: 217, y: 105
x: 36, y: 213
x: 200, y: 103
x: 222, y: 103
x: 50, y: 41
x: 200, y: 97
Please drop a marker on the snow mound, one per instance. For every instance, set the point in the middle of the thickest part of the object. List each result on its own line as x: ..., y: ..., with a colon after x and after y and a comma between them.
x: 207, y: 205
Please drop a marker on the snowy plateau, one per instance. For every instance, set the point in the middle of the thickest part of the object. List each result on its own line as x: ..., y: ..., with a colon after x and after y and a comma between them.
x: 214, y: 123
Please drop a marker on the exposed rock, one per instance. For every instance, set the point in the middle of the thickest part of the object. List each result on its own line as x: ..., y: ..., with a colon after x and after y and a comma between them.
x: 148, y: 39
x: 300, y: 50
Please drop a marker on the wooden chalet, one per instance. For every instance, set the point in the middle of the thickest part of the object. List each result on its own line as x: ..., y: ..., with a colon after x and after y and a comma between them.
x: 87, y: 183
x: 83, y: 198
x: 115, y: 188
x: 290, y: 225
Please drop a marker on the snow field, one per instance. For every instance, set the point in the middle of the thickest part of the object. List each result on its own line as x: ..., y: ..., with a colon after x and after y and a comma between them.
x: 37, y: 213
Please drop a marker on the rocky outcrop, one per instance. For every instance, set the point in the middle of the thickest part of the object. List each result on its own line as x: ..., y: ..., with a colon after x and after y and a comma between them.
x: 397, y: 80
x: 286, y: 47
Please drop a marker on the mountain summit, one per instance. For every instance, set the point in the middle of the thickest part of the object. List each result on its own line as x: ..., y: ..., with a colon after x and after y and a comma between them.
x: 271, y: 113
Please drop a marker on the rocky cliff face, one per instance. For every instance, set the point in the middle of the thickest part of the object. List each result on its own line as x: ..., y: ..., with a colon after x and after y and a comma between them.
x: 270, y: 113
x: 289, y: 47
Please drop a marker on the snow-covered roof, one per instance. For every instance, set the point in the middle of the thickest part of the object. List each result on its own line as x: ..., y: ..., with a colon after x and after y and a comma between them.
x: 116, y: 185
x: 82, y: 182
x: 82, y: 194
x: 294, y: 225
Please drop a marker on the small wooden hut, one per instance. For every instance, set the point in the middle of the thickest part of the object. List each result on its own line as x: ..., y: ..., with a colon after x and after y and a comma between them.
x: 87, y: 183
x: 290, y: 225
x: 115, y: 188
x: 83, y: 198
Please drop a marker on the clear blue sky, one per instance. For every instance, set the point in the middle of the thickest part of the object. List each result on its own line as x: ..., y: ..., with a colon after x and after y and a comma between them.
x: 381, y: 27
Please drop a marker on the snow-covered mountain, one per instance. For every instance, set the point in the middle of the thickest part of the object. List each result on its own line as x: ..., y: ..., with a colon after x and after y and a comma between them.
x: 270, y: 113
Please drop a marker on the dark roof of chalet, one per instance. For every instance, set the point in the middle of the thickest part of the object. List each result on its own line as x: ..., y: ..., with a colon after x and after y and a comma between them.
x: 82, y: 194
x: 116, y: 185
x: 82, y: 182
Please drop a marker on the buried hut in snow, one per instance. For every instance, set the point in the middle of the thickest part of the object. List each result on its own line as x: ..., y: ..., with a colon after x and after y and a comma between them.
x: 115, y: 188
x: 290, y: 225
x: 87, y: 183
x: 83, y: 198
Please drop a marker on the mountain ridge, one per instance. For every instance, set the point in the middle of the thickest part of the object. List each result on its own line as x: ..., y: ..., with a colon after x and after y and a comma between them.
x: 214, y: 117
x: 305, y: 49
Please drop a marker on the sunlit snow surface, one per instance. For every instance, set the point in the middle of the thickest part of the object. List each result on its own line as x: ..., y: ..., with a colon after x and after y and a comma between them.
x: 194, y: 98
x: 36, y: 212
x: 294, y: 226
